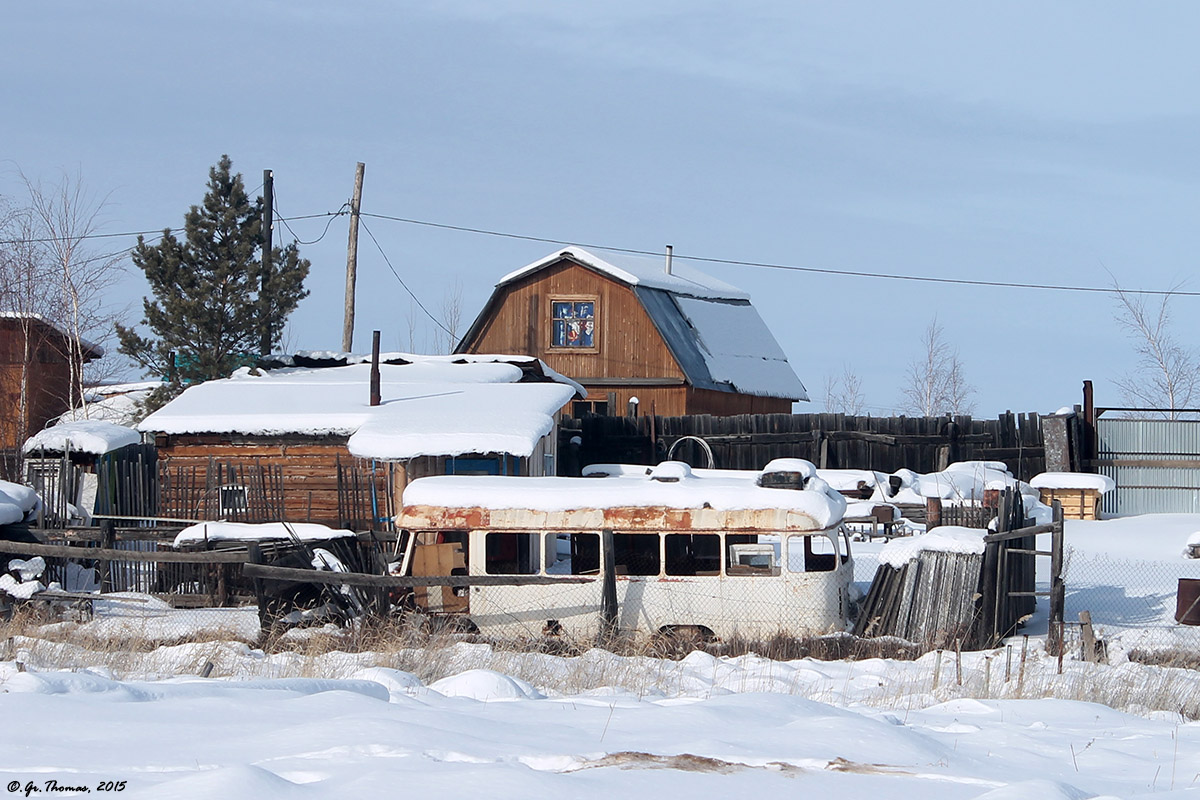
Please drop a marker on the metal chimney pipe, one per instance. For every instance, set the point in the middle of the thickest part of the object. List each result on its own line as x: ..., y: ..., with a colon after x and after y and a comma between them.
x: 375, y: 398
x: 670, y: 252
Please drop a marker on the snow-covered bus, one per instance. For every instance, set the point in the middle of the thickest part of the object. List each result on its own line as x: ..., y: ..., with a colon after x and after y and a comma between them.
x: 714, y: 553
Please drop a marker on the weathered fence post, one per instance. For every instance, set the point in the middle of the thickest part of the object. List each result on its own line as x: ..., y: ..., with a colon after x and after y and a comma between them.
x: 108, y: 538
x: 608, y: 597
x: 260, y: 596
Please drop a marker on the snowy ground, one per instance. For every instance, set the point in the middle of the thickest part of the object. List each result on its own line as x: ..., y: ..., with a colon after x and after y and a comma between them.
x: 466, y: 720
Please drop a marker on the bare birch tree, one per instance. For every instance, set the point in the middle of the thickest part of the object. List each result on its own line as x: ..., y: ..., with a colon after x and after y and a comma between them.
x: 843, y: 393
x: 1167, y: 374
x: 48, y: 271
x: 936, y: 383
x: 452, y: 315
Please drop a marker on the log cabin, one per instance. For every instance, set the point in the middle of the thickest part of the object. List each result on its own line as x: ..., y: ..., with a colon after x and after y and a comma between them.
x: 302, y: 442
x: 38, y: 362
x: 626, y: 327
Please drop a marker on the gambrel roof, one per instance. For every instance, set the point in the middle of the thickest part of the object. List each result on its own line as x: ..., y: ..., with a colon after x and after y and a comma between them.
x: 714, y: 333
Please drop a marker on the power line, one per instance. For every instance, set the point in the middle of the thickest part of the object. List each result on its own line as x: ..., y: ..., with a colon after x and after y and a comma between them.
x: 334, y: 215
x: 791, y: 267
x: 155, y: 232
x: 416, y: 299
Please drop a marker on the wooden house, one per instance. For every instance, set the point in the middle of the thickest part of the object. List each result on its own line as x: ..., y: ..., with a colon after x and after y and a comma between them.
x: 37, y: 366
x: 679, y: 341
x: 301, y: 442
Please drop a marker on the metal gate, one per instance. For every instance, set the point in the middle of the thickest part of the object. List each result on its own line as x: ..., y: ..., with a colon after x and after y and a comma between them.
x: 1154, y: 462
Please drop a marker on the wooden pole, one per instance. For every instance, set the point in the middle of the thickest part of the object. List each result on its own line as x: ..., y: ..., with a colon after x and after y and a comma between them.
x: 375, y: 390
x: 108, y: 537
x: 608, y: 597
x: 264, y: 299
x: 352, y: 259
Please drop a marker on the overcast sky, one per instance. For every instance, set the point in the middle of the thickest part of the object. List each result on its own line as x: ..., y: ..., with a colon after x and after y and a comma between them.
x: 1019, y: 142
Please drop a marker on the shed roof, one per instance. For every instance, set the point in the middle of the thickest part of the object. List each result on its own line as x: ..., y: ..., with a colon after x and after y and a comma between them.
x: 91, y: 349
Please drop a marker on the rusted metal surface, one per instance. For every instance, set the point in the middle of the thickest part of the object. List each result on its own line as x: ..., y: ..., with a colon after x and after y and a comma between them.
x: 626, y: 518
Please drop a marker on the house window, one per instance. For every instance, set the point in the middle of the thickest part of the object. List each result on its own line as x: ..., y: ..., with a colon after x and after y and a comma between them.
x: 573, y: 323
x: 233, y: 500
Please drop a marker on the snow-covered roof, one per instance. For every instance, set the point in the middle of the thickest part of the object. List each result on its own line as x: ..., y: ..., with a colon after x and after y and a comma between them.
x: 669, y: 485
x: 637, y: 270
x: 93, y: 436
x: 430, y: 406
x: 120, y: 403
x: 94, y: 350
x: 1073, y: 480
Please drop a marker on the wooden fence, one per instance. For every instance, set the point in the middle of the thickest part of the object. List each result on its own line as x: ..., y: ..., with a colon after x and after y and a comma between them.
x: 832, y: 441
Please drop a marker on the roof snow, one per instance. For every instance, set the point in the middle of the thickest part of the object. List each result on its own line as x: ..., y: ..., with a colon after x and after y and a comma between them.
x: 82, y: 436
x: 1073, y: 480
x: 430, y: 406
x: 639, y: 271
x: 669, y: 485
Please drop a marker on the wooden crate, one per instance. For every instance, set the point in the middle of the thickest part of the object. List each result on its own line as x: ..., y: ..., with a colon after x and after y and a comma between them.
x: 1076, y: 503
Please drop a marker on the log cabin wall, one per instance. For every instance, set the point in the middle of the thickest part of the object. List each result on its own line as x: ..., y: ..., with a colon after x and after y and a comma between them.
x: 308, y: 465
x: 45, y: 377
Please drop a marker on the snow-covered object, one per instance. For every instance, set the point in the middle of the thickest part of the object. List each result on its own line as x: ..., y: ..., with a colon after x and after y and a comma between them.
x: 433, y: 406
x: 485, y: 685
x: 726, y: 490
x: 22, y: 590
x: 324, y: 560
x: 798, y: 465
x: 119, y: 403
x: 256, y: 532
x: 16, y: 502
x: 28, y: 569
x: 965, y: 480
x: 946, y: 539
x: 92, y: 436
x: 1073, y: 480
x: 671, y: 471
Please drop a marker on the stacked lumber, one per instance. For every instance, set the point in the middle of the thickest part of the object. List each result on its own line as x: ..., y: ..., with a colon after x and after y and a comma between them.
x: 931, y: 600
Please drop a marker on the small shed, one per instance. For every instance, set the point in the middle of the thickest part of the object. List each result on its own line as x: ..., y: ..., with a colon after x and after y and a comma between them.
x: 1079, y: 493
x: 298, y: 440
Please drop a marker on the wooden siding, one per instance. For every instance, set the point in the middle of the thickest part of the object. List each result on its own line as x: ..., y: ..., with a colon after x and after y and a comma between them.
x: 46, y: 376
x: 628, y: 344
x: 310, y: 487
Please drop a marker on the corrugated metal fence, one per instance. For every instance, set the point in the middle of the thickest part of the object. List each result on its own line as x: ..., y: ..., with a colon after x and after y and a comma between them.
x: 1154, y: 462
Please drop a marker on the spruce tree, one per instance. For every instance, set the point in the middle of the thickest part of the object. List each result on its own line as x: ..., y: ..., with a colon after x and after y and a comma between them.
x: 207, y: 289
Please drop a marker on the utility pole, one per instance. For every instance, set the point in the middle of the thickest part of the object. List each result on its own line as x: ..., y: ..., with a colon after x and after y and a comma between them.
x: 264, y: 300
x: 352, y: 260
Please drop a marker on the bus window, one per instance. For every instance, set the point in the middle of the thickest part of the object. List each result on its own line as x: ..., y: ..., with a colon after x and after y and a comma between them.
x: 693, y: 554
x: 573, y: 553
x: 636, y: 553
x: 757, y: 558
x: 511, y: 554
x: 811, y: 554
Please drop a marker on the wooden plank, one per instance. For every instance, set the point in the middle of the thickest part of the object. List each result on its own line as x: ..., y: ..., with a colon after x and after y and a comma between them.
x: 106, y: 554
x: 1020, y: 533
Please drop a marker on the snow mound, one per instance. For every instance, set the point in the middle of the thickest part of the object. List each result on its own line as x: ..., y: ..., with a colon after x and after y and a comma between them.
x: 1073, y: 480
x: 244, y: 780
x: 485, y: 685
x: 16, y: 501
x: 1039, y: 789
x: 946, y: 539
x: 395, y: 681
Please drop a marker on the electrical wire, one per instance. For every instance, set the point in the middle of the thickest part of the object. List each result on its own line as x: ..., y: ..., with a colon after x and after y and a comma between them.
x: 653, y: 253
x: 416, y: 299
x: 334, y: 215
x: 791, y: 267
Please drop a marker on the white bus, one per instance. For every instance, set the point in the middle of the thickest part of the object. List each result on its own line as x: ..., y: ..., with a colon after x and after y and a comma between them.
x: 714, y: 553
